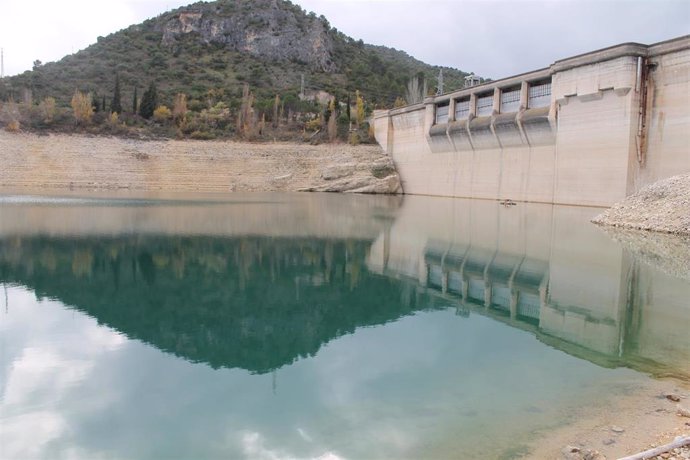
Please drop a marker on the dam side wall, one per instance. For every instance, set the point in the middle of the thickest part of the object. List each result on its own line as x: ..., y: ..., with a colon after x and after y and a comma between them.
x: 588, y: 130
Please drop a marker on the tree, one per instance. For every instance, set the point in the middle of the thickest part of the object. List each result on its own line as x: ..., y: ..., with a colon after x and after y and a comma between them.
x: 349, y: 103
x: 245, y: 119
x: 179, y: 111
x: 10, y: 111
x: 37, y: 78
x: 81, y: 105
x: 116, y: 104
x: 95, y: 103
x: 135, y: 101
x: 276, y: 109
x: 416, y: 90
x: 47, y: 109
x: 359, y: 100
x: 149, y: 101
x: 333, y: 120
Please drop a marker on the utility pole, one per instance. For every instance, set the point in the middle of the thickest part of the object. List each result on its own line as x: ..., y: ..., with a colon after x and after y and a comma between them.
x: 2, y: 63
x: 440, y: 83
x: 301, y: 91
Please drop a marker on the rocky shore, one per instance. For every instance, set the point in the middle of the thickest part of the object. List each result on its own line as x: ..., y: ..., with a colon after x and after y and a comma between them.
x: 661, y: 207
x: 646, y: 418
x: 81, y: 162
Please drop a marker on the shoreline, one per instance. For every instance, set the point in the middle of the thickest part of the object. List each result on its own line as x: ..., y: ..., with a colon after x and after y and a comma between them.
x: 633, y: 422
x: 64, y: 162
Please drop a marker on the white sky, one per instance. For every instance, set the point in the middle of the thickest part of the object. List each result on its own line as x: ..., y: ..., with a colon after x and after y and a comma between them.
x: 493, y: 38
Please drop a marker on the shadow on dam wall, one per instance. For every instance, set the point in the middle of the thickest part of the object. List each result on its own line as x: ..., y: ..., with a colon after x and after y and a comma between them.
x: 261, y: 302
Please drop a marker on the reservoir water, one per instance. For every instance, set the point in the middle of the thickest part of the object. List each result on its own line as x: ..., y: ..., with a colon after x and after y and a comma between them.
x: 318, y: 326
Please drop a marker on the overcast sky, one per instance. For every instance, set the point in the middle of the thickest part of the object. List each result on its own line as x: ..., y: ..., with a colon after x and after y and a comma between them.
x: 489, y: 37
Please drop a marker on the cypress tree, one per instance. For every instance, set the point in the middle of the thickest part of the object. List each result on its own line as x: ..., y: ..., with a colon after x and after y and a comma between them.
x: 116, y: 105
x: 135, y: 101
x: 149, y: 101
x: 103, y: 105
x: 95, y: 103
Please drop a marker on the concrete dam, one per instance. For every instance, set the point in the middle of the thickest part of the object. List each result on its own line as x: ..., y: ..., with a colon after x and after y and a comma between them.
x: 587, y: 130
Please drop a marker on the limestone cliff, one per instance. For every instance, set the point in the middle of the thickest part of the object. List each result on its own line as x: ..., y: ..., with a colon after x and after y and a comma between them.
x: 267, y: 30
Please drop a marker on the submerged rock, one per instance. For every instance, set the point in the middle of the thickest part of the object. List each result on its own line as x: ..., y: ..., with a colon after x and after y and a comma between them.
x: 682, y: 411
x: 575, y: 453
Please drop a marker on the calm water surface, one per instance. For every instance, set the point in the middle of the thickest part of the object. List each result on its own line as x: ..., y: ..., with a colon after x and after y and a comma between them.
x: 316, y: 326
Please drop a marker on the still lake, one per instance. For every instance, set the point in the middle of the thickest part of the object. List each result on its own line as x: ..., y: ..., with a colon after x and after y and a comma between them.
x: 316, y: 326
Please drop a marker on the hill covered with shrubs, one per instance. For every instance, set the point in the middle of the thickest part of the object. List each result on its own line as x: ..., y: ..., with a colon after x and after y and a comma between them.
x: 243, y: 65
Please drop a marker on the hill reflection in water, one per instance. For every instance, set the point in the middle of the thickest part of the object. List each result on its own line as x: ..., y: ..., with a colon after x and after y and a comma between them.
x: 256, y: 303
x: 261, y: 299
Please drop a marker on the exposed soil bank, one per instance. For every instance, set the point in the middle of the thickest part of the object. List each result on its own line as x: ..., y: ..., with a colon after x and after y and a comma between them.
x: 661, y: 207
x: 63, y: 161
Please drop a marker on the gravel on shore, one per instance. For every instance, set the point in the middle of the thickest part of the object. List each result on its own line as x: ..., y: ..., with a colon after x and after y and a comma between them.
x: 661, y: 207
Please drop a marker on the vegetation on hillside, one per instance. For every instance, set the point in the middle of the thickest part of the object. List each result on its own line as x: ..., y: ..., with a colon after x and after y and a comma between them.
x: 212, y: 53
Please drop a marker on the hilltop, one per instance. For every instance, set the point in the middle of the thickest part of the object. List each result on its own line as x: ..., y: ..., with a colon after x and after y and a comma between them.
x: 209, y: 50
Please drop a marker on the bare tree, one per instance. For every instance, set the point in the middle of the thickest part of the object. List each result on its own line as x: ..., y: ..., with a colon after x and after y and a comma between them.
x: 416, y: 90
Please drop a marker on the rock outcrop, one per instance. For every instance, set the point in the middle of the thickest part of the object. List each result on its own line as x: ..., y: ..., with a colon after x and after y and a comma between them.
x: 267, y: 29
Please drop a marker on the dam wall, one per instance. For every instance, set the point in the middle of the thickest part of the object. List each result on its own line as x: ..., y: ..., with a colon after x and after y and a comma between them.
x: 588, y: 130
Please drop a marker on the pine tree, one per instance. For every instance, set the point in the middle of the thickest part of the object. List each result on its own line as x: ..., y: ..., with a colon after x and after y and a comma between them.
x: 116, y: 104
x: 135, y: 102
x: 149, y: 101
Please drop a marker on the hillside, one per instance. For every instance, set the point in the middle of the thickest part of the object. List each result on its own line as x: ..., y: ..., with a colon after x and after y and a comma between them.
x: 210, y: 50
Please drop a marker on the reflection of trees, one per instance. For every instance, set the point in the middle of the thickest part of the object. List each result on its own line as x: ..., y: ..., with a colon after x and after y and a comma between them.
x: 255, y: 303
x: 82, y: 262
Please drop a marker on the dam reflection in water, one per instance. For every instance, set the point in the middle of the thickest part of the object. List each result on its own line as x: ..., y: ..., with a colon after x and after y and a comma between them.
x: 310, y: 325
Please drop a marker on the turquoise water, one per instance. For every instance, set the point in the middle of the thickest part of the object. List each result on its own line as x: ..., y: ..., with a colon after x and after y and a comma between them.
x: 316, y: 326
